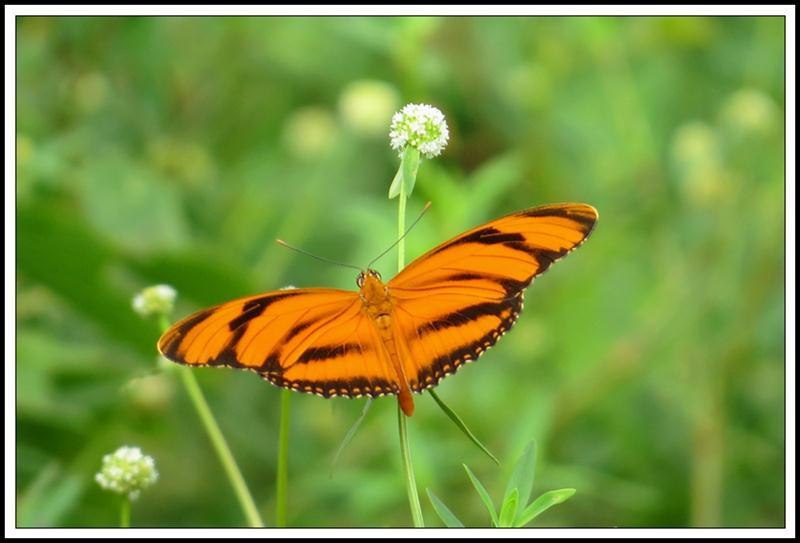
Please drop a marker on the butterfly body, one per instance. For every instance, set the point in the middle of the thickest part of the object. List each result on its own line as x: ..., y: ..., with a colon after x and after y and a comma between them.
x: 378, y: 305
x: 443, y: 310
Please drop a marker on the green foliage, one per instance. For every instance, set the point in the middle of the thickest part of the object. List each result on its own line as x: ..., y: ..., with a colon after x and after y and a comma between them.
x: 487, y: 501
x: 514, y: 513
x: 447, y: 516
x: 648, y: 365
x: 521, y: 479
x: 542, y: 504
x: 452, y: 415
x: 406, y: 174
x: 508, y: 511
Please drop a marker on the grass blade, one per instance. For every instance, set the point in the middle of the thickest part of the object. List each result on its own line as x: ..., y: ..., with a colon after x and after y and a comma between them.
x: 352, y: 431
x: 487, y: 500
x: 509, y: 510
x: 460, y: 423
x: 523, y: 474
x: 447, y: 516
x: 543, y: 503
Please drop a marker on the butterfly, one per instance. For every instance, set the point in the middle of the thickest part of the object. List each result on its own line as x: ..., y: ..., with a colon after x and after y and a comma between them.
x: 441, y: 311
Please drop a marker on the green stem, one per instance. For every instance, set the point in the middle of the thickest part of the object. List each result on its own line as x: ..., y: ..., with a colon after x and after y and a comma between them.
x: 125, y: 513
x: 401, y: 228
x: 283, y: 460
x: 405, y: 450
x: 220, y: 445
x: 411, y: 484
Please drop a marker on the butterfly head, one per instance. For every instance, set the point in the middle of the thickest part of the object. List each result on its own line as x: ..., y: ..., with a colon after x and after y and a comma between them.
x: 371, y: 287
x: 367, y: 276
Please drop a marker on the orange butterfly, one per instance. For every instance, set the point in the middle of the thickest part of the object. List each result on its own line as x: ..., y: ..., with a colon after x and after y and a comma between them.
x: 443, y: 310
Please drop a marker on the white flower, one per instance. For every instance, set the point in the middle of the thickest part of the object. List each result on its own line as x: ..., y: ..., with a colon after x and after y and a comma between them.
x: 127, y: 471
x: 421, y: 126
x: 157, y: 299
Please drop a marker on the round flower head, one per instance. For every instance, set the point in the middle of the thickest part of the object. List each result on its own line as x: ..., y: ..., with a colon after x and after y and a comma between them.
x: 421, y: 126
x: 154, y: 300
x: 127, y: 472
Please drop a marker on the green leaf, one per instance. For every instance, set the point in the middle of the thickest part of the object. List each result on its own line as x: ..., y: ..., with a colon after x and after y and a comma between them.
x: 447, y: 516
x: 460, y: 423
x: 487, y: 501
x: 523, y: 474
x: 352, y: 432
x: 543, y: 503
x: 406, y: 173
x: 509, y: 510
x: 410, y: 166
x: 394, y: 188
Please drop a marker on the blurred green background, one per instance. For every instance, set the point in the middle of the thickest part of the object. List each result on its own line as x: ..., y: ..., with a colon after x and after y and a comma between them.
x: 648, y: 366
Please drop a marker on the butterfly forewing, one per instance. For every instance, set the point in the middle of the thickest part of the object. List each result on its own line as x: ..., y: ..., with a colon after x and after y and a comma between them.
x: 455, y: 301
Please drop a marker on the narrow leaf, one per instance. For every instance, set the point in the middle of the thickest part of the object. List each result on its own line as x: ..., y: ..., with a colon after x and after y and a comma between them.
x: 447, y: 516
x: 394, y: 188
x: 543, y: 503
x: 523, y: 474
x: 352, y: 431
x: 487, y: 501
x: 410, y: 166
x: 460, y: 423
x: 509, y: 510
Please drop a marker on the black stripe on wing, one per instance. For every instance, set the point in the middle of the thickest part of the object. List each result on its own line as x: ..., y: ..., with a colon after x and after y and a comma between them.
x: 507, y: 311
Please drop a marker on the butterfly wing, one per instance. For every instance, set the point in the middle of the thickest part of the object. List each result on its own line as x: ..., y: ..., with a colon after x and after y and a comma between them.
x: 455, y: 301
x: 311, y: 340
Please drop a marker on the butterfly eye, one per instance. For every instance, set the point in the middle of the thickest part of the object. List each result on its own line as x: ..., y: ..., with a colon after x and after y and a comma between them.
x: 375, y: 274
x: 360, y: 280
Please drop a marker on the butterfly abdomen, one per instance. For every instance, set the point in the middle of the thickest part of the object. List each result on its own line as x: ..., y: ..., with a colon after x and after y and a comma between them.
x: 378, y: 305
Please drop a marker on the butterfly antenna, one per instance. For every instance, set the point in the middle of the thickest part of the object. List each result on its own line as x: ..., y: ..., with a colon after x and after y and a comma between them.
x: 413, y: 224
x: 323, y: 259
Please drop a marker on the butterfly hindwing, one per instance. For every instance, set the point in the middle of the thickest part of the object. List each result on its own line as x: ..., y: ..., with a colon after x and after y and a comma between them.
x: 455, y: 301
x: 340, y: 356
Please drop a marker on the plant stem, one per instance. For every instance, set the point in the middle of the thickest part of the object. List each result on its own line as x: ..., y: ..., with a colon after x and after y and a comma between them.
x: 125, y: 513
x: 220, y: 445
x: 401, y: 228
x: 405, y: 450
x: 408, y: 468
x: 283, y: 460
